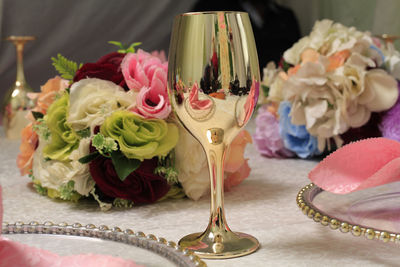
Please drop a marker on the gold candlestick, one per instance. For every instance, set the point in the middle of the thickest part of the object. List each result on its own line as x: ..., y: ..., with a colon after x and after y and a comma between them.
x: 16, y: 103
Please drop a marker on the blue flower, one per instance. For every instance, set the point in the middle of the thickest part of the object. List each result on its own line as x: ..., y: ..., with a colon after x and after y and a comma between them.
x: 295, y: 137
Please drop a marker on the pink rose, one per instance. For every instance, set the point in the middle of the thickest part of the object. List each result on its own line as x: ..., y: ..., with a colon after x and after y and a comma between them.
x: 153, y: 101
x: 147, y: 74
x: 236, y: 166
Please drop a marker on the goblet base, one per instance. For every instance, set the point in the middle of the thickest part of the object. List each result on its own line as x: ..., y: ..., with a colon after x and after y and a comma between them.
x: 222, y: 245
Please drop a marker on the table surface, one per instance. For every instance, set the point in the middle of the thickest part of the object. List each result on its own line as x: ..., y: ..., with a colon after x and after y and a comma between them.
x: 263, y: 205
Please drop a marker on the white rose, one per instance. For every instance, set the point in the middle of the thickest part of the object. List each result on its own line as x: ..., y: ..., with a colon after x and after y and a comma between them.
x: 269, y: 73
x: 292, y: 55
x: 315, y: 102
x: 273, y: 78
x: 380, y: 91
x: 364, y: 91
x: 84, y: 182
x: 53, y: 174
x: 328, y: 38
x: 191, y: 163
x: 92, y: 100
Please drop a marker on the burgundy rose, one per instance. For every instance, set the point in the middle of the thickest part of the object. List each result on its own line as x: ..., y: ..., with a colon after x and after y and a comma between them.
x: 107, y: 67
x: 141, y: 186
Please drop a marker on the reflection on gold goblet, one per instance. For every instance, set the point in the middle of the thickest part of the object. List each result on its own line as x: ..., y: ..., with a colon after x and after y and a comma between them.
x: 213, y: 81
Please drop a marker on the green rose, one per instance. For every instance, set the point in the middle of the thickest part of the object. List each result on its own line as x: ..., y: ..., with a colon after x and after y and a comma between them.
x: 63, y: 140
x: 140, y: 138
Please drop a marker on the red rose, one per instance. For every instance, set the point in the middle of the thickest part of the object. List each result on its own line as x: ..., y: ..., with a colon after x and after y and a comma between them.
x: 141, y: 186
x: 106, y: 68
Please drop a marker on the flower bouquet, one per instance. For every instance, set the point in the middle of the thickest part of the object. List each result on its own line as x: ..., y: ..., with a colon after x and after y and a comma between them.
x: 334, y: 86
x: 105, y: 130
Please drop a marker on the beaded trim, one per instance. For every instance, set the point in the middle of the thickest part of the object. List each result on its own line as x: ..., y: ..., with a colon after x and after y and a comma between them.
x: 304, y: 202
x: 159, y: 245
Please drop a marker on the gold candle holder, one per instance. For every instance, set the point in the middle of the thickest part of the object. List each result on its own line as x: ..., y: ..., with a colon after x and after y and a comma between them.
x: 16, y: 103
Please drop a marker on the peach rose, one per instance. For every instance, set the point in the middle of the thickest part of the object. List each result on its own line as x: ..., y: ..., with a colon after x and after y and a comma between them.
x: 48, y: 94
x: 236, y: 166
x: 28, y: 146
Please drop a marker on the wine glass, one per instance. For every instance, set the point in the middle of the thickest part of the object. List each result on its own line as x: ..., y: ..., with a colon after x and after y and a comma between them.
x: 213, y: 81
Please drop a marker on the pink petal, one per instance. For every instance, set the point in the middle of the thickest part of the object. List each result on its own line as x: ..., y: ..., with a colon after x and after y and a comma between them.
x: 363, y: 164
x: 133, y: 72
x: 160, y: 111
x: 140, y: 76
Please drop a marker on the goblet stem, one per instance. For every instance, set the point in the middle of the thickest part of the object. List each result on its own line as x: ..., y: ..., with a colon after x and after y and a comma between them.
x: 218, y: 241
x: 20, y: 61
x: 215, y: 159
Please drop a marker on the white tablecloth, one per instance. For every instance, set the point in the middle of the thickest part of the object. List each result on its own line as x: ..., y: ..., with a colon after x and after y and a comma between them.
x: 263, y: 205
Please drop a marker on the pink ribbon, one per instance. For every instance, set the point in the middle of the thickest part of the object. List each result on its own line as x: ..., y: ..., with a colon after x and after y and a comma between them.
x: 360, y: 165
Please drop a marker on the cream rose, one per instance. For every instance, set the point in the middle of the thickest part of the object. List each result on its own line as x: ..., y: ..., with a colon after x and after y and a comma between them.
x: 92, y: 100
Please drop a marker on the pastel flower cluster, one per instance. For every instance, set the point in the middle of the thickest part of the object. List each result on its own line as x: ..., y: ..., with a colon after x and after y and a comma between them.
x: 329, y: 84
x: 106, y: 132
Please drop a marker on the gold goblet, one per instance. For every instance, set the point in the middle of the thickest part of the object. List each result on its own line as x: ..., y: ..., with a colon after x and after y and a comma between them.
x: 16, y: 103
x: 213, y: 81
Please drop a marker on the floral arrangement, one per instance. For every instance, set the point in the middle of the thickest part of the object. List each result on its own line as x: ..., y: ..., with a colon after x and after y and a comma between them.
x: 105, y: 130
x: 332, y: 87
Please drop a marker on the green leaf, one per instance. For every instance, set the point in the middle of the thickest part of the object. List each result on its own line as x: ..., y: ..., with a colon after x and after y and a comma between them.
x: 124, y: 48
x: 166, y: 168
x: 40, y: 189
x: 123, y: 166
x: 84, y: 133
x: 119, y: 44
x: 265, y: 90
x: 65, y: 67
x: 285, y: 66
x: 131, y: 48
x: 89, y: 158
x: 122, y: 203
x: 37, y: 115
